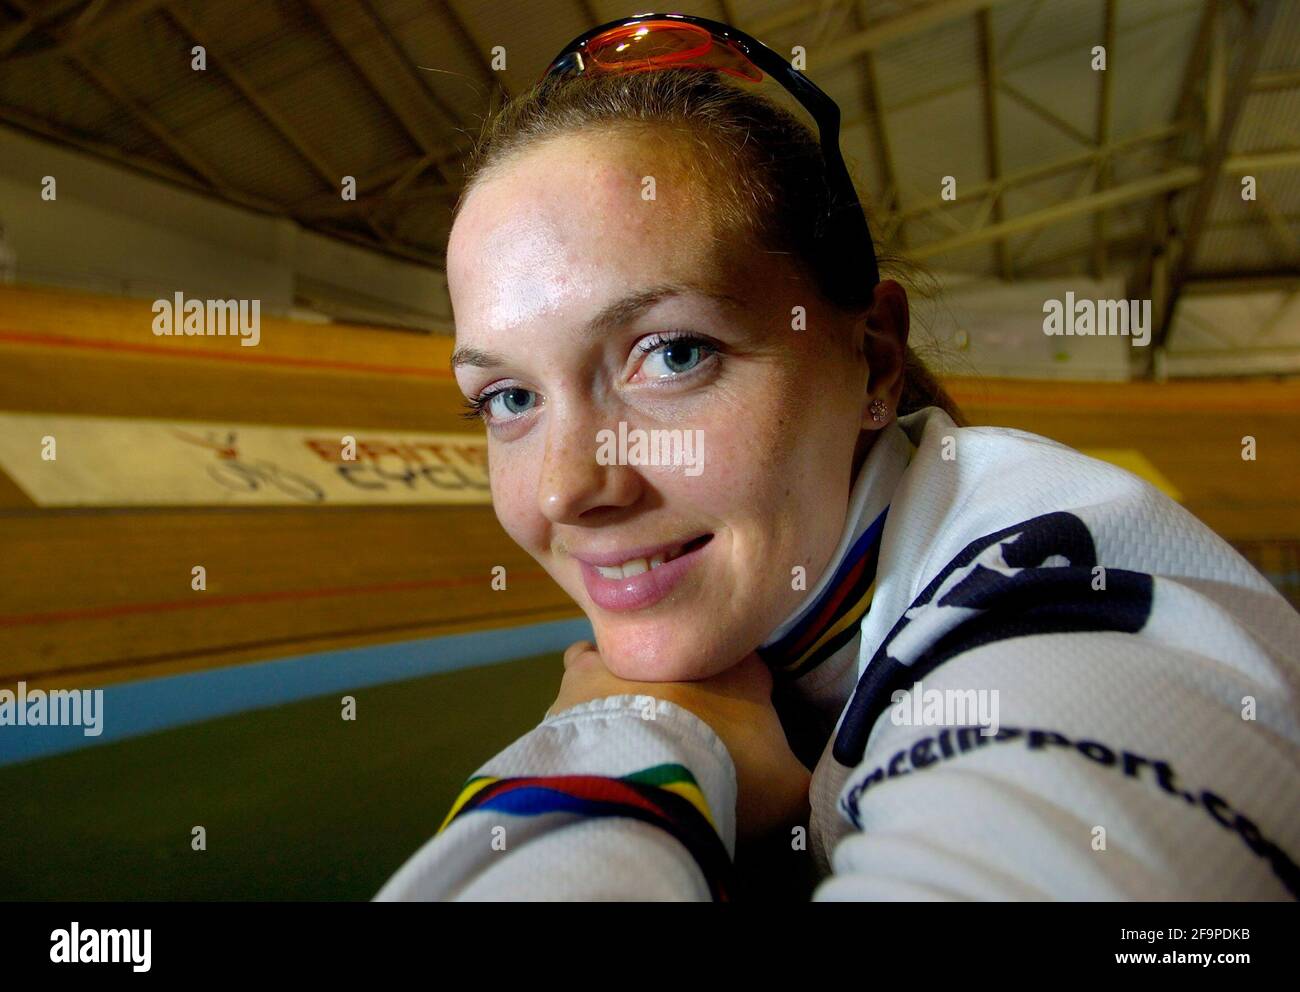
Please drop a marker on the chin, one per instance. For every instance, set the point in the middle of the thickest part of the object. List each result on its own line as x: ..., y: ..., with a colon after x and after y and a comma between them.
x: 652, y: 657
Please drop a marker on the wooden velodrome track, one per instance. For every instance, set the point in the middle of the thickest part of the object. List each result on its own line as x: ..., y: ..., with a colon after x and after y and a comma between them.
x: 95, y: 596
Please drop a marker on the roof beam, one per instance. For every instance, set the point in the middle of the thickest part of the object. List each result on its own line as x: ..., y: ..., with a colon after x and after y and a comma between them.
x: 389, y: 181
x: 324, y: 171
x: 1247, y: 223
x: 890, y: 195
x: 94, y: 17
x: 468, y: 43
x: 1043, y: 54
x: 1282, y: 79
x: 1022, y: 25
x: 93, y: 24
x: 402, y: 198
x: 422, y: 79
x: 913, y: 22
x: 35, y: 125
x: 1034, y: 267
x: 1213, y: 163
x: 992, y: 138
x: 173, y: 142
x: 1267, y: 280
x: 1278, y: 158
x: 1216, y: 78
x: 1151, y: 267
x: 1053, y: 118
x: 380, y: 182
x: 791, y: 14
x: 1038, y: 172
x: 395, y: 84
x: 869, y: 39
x: 829, y: 16
x: 87, y: 16
x: 30, y: 122
x: 1105, y: 95
x: 397, y: 249
x: 12, y: 36
x: 1137, y: 190
x: 1088, y: 179
x: 1287, y: 242
x: 33, y: 20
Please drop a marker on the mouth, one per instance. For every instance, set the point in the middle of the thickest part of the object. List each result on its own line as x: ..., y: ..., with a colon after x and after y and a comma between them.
x: 644, y: 563
x: 636, y: 578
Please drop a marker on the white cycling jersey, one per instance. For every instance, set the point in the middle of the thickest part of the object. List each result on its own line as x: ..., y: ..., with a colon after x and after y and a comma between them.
x: 1028, y: 675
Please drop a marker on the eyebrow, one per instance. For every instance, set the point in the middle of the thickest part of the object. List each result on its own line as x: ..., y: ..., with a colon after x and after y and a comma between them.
x: 621, y: 311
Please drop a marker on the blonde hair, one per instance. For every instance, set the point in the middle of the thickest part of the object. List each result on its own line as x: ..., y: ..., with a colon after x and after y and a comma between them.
x: 763, y: 167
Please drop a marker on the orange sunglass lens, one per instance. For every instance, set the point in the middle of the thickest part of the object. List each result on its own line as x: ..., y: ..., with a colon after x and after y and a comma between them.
x: 666, y: 44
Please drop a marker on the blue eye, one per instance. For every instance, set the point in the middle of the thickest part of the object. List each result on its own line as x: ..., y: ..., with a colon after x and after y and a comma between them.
x: 510, y: 402
x: 503, y: 404
x: 675, y: 355
x: 667, y: 356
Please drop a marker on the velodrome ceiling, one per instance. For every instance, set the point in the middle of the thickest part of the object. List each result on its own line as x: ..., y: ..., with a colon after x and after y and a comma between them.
x: 1061, y: 170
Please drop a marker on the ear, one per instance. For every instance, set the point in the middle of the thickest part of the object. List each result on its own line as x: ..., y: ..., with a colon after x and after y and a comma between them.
x: 884, y: 346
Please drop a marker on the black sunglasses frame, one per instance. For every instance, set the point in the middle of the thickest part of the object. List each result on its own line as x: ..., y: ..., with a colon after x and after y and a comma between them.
x: 847, y: 219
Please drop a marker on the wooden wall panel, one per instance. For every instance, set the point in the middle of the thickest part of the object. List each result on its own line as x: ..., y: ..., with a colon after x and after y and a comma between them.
x: 96, y: 596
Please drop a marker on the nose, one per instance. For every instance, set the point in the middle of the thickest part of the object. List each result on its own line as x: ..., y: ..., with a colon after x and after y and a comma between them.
x: 573, y: 484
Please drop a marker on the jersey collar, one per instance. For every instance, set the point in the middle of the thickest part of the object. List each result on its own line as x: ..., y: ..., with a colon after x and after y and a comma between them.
x: 828, y: 619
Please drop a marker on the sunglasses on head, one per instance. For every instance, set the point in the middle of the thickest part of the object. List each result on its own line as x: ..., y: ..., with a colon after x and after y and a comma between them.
x: 648, y: 42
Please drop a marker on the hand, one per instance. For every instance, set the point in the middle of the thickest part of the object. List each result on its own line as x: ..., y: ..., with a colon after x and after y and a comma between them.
x: 772, y: 784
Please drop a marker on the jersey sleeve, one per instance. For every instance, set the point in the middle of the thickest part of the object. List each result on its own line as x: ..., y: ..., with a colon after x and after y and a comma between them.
x: 1096, y: 703
x: 622, y: 798
x: 1109, y: 770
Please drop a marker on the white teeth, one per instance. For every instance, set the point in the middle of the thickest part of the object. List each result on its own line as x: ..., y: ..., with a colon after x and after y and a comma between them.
x: 625, y: 571
x: 630, y: 568
x: 637, y: 565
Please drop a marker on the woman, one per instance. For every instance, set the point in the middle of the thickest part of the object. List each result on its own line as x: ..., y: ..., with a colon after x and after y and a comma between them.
x: 1013, y: 671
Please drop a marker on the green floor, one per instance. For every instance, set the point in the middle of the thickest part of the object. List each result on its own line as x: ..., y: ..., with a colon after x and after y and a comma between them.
x: 297, y: 802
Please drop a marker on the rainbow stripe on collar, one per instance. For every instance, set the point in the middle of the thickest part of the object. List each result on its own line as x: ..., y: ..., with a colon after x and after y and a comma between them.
x: 834, y: 619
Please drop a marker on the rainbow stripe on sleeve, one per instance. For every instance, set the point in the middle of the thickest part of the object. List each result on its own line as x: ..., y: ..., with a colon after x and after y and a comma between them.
x: 665, y: 795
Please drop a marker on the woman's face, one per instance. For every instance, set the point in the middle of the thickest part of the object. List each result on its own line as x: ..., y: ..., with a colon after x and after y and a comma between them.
x: 588, y: 312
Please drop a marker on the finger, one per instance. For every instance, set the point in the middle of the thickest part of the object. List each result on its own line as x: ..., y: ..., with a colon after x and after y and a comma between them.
x: 576, y: 653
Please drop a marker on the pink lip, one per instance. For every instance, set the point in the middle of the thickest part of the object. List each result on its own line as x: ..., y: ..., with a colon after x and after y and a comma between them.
x: 638, y: 591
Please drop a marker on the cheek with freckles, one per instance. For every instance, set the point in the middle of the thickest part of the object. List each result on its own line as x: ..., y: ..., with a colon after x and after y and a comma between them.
x: 514, y: 500
x: 778, y: 484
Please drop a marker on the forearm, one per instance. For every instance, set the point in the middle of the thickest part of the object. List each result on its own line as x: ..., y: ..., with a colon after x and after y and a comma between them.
x: 617, y: 798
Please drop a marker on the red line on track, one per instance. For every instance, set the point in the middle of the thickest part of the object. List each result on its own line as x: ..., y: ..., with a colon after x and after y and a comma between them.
x: 1121, y: 398
x: 216, y: 354
x: 287, y: 595
x: 967, y: 393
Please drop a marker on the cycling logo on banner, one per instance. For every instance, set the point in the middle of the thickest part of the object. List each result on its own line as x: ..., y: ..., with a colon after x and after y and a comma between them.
x: 61, y: 460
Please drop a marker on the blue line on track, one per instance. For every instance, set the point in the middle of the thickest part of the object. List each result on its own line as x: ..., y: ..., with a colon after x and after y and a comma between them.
x: 131, y: 709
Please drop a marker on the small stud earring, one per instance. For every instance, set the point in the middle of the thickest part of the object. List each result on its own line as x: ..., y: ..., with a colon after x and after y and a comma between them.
x: 878, y: 410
